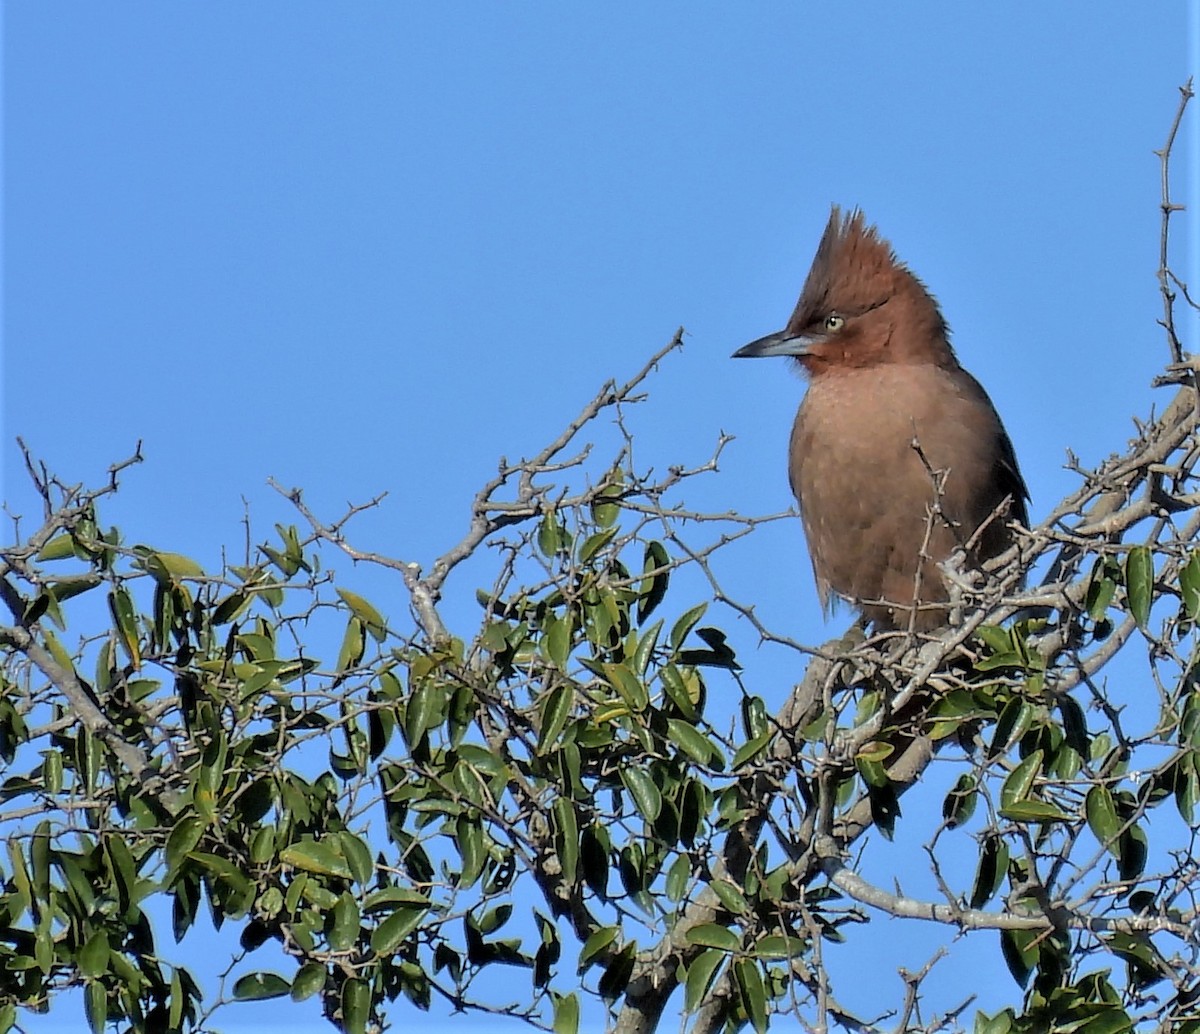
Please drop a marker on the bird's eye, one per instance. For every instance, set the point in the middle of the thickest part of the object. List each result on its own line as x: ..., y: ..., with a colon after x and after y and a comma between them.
x: 834, y: 322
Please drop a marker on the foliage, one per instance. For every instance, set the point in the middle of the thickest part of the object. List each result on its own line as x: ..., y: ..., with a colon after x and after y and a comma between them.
x: 555, y: 789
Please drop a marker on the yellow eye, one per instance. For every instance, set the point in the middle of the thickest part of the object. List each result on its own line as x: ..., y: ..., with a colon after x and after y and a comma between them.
x: 834, y: 322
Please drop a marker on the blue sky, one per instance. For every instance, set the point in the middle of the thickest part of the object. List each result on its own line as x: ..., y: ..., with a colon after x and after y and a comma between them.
x: 375, y: 246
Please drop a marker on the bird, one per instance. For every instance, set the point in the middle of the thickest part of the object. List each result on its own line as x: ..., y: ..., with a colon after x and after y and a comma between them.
x: 897, y: 454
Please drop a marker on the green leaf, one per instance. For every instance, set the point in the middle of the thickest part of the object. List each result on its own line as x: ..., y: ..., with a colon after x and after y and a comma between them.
x: 1020, y: 781
x: 354, y: 644
x: 749, y: 751
x: 183, y: 839
x: 344, y: 924
x: 556, y: 708
x: 1011, y: 725
x: 730, y: 896
x: 1132, y: 852
x: 605, y: 506
x: 1102, y: 818
x: 653, y: 588
x: 356, y: 1006
x: 1034, y: 811
x: 390, y: 934
x: 593, y: 544
x: 1020, y: 950
x: 566, y: 1013
x: 993, y: 864
x: 1139, y: 583
x: 959, y: 804
x: 683, y: 691
x: 315, y: 857
x: 556, y: 641
x: 681, y: 628
x: 58, y: 548
x: 712, y: 935
x: 700, y: 976
x: 1189, y: 586
x: 679, y: 876
x: 778, y: 947
x: 120, y: 604
x: 256, y: 986
x: 366, y: 613
x: 470, y: 839
x: 566, y: 838
x: 93, y: 956
x: 308, y: 981
x: 752, y: 993
x: 691, y: 741
x: 95, y: 1005
x: 628, y: 685
x: 646, y: 795
x: 548, y: 539
x: 1102, y: 587
x: 596, y: 944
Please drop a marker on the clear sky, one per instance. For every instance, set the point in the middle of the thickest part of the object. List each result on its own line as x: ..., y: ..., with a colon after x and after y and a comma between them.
x: 373, y: 246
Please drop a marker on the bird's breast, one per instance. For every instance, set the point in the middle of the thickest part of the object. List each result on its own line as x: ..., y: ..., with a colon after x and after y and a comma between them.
x: 867, y: 448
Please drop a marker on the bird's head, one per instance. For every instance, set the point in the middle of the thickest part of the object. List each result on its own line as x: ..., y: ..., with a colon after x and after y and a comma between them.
x: 860, y: 307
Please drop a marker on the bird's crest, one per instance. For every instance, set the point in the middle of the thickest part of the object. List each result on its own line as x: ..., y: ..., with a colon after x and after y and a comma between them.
x: 854, y: 270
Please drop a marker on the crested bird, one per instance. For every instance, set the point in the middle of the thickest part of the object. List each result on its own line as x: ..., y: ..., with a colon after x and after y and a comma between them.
x: 897, y: 454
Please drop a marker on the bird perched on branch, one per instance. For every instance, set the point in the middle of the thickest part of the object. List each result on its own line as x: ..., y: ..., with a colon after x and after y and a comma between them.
x: 897, y: 454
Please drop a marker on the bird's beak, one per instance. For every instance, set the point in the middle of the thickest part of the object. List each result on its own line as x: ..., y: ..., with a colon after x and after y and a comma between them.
x: 781, y: 343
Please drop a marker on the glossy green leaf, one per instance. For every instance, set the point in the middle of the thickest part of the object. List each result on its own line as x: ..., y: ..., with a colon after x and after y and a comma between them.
x: 1189, y: 586
x: 366, y: 613
x: 566, y: 1013
x: 1139, y: 583
x: 356, y: 1006
x: 556, y: 708
x: 596, y: 945
x: 959, y: 805
x: 646, y: 795
x: 308, y: 981
x: 711, y: 935
x: 993, y: 865
x: 256, y: 986
x: 682, y: 691
x: 1020, y: 781
x: 58, y: 548
x: 1029, y: 810
x: 679, y: 878
x: 682, y: 627
x: 469, y: 836
x: 655, y: 576
x: 1102, y: 818
x: 354, y: 644
x: 95, y: 1005
x: 1019, y: 948
x: 700, y: 974
x: 344, y: 923
x: 315, y: 857
x: 391, y: 933
x: 752, y: 993
x: 691, y: 741
x: 1132, y: 852
x: 1012, y: 724
x: 566, y: 838
x: 1102, y: 588
x: 93, y: 956
x: 631, y: 689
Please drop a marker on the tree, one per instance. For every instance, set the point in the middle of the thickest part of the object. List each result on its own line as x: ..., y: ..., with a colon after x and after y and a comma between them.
x: 556, y: 789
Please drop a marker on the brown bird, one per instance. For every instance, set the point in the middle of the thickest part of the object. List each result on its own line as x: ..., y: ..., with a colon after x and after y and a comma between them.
x: 897, y: 454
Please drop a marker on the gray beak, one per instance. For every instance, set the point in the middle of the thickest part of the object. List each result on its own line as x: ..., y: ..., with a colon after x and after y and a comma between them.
x: 781, y: 343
